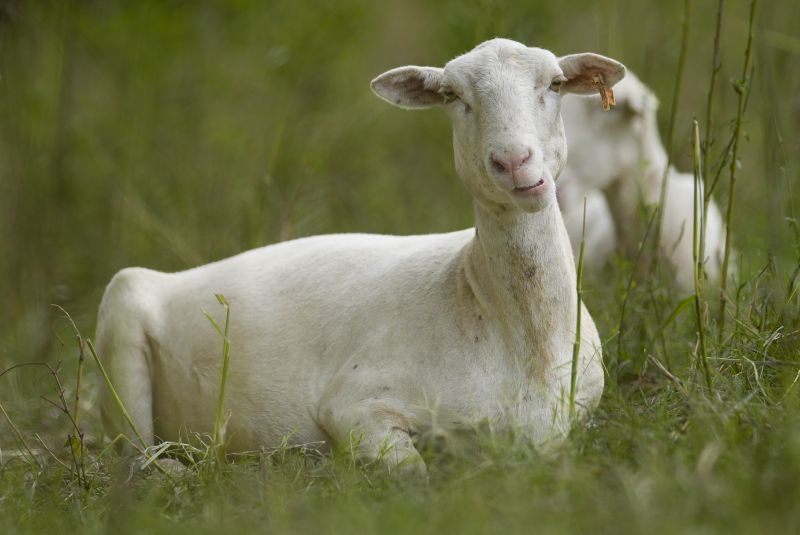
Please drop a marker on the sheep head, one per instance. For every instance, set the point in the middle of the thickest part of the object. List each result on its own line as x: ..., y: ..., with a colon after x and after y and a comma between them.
x: 504, y: 101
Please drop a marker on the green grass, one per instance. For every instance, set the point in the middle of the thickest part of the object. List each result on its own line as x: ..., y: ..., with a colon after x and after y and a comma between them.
x: 169, y: 134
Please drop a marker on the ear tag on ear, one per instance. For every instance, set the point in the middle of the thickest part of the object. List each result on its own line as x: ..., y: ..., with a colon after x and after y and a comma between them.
x: 606, y: 93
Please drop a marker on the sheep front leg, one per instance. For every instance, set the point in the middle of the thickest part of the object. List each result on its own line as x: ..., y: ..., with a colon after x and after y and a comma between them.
x: 379, y: 428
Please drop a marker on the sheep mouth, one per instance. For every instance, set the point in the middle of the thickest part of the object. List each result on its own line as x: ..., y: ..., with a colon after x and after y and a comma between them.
x: 527, y: 189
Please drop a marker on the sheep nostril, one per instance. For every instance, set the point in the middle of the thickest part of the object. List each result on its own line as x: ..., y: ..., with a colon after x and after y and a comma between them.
x: 498, y: 165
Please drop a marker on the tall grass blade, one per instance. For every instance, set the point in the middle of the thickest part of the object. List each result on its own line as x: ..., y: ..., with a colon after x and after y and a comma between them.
x: 742, y: 87
x: 676, y: 95
x: 697, y: 220
x: 20, y: 438
x: 114, y: 394
x: 121, y: 405
x: 218, y: 438
x: 576, y: 347
x: 81, y: 361
x: 716, y: 65
x: 631, y: 284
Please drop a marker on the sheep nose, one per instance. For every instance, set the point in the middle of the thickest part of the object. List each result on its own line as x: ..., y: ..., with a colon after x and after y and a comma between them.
x: 506, y: 162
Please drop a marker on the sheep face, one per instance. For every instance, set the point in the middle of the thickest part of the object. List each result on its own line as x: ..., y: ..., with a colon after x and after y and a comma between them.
x: 504, y: 101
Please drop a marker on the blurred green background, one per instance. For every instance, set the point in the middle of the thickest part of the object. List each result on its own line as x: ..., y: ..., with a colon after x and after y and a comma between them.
x: 171, y: 133
x: 167, y: 134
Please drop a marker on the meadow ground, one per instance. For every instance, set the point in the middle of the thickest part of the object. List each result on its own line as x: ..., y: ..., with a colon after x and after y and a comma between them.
x: 170, y: 134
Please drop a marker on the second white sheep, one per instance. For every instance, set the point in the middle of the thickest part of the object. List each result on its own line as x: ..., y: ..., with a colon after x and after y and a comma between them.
x: 616, y: 160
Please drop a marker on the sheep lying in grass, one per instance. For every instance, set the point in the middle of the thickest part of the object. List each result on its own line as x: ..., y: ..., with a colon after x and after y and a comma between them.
x: 384, y: 337
x: 620, y: 154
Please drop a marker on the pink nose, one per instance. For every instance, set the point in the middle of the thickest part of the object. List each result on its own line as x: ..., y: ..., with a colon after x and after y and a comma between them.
x: 508, y: 162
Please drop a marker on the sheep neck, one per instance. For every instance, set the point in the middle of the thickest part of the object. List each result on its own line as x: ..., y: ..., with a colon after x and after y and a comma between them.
x: 521, y: 271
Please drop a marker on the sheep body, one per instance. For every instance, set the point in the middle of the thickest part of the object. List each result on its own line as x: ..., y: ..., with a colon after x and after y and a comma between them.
x: 677, y: 233
x: 384, y: 338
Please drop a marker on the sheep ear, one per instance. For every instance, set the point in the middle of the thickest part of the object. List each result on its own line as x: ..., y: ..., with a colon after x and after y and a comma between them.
x: 589, y: 73
x: 410, y: 87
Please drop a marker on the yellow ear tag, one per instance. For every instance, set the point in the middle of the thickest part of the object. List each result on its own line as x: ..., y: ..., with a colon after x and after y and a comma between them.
x: 606, y: 93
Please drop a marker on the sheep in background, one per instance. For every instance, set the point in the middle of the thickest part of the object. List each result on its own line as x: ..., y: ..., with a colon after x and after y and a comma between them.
x: 382, y: 338
x: 619, y: 153
x: 600, y: 232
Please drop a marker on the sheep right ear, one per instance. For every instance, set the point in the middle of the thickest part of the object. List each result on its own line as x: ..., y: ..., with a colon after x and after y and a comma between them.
x: 410, y: 87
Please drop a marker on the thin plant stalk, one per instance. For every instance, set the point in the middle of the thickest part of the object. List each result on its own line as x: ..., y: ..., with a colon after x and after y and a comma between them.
x: 632, y: 282
x: 742, y: 88
x: 576, y: 347
x: 217, y: 438
x: 76, y: 440
x: 687, y: 14
x: 659, y: 332
x: 697, y: 221
x: 114, y: 394
x: 50, y: 452
x: 121, y: 405
x: 81, y: 361
x: 716, y: 65
x: 19, y: 437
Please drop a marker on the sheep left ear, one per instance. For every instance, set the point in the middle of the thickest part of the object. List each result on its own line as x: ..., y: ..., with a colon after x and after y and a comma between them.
x: 586, y: 73
x: 410, y: 87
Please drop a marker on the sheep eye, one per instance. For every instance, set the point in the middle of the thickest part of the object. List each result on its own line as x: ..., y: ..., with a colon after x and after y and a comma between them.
x: 449, y: 96
x: 555, y: 85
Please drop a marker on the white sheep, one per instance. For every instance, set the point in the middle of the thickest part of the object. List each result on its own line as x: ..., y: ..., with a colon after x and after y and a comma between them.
x: 620, y: 154
x: 599, y: 233
x: 385, y: 337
